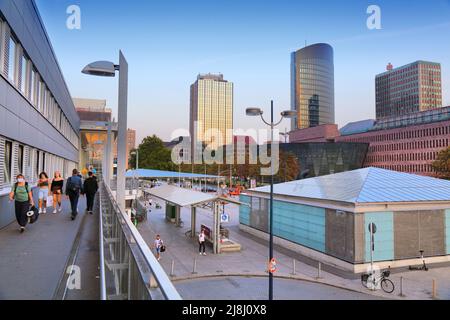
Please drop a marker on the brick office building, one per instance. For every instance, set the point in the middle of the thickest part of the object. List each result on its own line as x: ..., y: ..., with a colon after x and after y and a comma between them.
x: 407, y: 143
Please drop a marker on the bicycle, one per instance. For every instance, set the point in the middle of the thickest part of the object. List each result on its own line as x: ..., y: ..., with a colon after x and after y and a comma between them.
x: 374, y: 281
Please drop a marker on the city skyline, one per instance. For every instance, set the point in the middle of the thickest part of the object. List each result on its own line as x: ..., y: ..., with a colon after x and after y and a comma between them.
x: 257, y: 57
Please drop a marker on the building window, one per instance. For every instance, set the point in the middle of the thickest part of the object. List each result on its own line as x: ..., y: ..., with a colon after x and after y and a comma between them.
x: 12, y: 47
x: 32, y: 93
x: 7, y: 163
x: 20, y: 159
x: 24, y: 75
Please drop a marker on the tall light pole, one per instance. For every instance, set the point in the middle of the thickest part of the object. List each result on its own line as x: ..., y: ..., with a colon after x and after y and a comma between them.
x: 108, y: 69
x: 284, y: 114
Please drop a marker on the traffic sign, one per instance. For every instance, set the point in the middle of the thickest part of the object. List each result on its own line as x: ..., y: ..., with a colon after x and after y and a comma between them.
x: 272, y: 266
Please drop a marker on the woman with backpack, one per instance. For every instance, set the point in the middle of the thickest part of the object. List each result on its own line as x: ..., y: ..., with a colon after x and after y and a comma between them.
x: 21, y: 194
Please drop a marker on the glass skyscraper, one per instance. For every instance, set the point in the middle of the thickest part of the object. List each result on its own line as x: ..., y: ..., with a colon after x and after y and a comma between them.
x: 211, y: 110
x: 312, y: 86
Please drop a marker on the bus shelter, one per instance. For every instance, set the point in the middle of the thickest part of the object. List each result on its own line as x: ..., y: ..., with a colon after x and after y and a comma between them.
x: 180, y: 197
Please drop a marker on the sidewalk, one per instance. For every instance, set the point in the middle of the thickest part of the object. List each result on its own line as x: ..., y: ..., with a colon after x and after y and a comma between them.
x: 32, y: 264
x: 251, y: 261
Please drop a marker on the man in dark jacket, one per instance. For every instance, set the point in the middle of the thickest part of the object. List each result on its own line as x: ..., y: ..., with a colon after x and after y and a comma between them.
x: 90, y: 189
x: 74, y: 187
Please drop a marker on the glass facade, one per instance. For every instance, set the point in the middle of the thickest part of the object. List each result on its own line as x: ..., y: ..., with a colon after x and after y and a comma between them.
x: 322, y: 158
x: 212, y: 110
x: 312, y: 86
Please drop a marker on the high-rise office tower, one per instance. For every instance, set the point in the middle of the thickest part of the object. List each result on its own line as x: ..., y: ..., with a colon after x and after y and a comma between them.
x: 408, y: 89
x: 312, y: 86
x: 211, y: 110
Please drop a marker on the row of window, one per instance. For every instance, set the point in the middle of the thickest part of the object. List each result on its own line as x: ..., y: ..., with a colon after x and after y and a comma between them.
x: 16, y: 158
x: 18, y: 68
x: 412, y: 168
x: 411, y: 145
x: 427, y: 132
x: 423, y: 156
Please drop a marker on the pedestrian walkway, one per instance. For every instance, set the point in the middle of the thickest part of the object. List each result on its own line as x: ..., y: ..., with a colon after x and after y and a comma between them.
x: 251, y: 261
x: 33, y: 264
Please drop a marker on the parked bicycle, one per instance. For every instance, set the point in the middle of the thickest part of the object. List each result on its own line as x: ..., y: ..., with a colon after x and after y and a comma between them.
x: 377, y: 280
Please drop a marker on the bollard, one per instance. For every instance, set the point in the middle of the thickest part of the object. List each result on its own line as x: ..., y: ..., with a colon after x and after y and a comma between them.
x: 319, y: 271
x: 293, y: 267
x: 172, y: 268
x: 194, y: 269
x: 434, y: 290
x: 401, y: 287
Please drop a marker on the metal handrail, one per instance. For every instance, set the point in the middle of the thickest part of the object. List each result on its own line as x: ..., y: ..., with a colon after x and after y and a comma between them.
x: 147, y: 261
x: 102, y: 256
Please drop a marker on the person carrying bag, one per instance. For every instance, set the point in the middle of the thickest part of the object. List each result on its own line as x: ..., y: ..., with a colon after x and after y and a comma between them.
x: 23, y: 200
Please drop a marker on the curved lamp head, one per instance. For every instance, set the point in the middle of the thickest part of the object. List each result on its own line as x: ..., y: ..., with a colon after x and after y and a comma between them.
x: 101, y: 68
x: 289, y: 114
x: 252, y: 112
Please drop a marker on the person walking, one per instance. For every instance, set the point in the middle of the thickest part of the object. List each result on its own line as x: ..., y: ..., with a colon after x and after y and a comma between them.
x: 21, y: 194
x: 157, y: 245
x: 44, y: 186
x: 74, y: 187
x: 90, y: 188
x: 56, y: 189
x: 201, y: 243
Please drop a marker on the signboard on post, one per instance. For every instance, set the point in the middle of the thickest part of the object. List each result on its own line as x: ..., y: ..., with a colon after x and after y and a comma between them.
x: 224, y: 217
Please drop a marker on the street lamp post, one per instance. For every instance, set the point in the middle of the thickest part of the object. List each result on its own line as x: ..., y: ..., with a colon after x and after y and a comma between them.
x: 284, y: 114
x: 108, y: 69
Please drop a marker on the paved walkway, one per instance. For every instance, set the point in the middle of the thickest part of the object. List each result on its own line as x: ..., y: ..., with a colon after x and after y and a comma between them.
x: 251, y: 261
x: 255, y: 288
x: 32, y: 264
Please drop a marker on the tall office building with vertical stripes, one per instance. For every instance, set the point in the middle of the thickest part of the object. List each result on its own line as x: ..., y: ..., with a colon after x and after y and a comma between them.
x: 412, y: 88
x: 211, y: 110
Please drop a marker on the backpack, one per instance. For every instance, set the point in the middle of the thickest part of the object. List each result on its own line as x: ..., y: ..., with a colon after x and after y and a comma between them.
x: 75, y: 188
x: 26, y: 188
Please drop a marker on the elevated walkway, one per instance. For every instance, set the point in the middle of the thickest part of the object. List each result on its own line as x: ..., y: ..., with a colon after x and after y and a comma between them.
x: 33, y: 264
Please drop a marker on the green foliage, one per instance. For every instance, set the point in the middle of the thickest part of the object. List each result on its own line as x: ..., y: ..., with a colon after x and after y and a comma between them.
x: 153, y: 155
x: 442, y: 164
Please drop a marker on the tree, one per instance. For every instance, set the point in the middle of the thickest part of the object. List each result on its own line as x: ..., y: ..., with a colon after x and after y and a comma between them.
x: 153, y: 155
x: 442, y: 164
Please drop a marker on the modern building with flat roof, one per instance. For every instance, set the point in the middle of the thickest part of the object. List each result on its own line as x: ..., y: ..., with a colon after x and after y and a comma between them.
x: 408, y: 143
x: 39, y: 126
x: 326, y: 218
x: 312, y: 86
x: 408, y: 89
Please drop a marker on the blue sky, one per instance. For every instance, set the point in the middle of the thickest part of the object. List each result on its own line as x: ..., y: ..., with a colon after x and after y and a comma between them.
x: 167, y: 43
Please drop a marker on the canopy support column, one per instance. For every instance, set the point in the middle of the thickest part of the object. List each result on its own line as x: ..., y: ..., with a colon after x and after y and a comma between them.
x: 193, y: 220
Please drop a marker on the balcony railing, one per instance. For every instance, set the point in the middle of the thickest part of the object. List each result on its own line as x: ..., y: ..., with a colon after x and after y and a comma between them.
x: 128, y: 269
